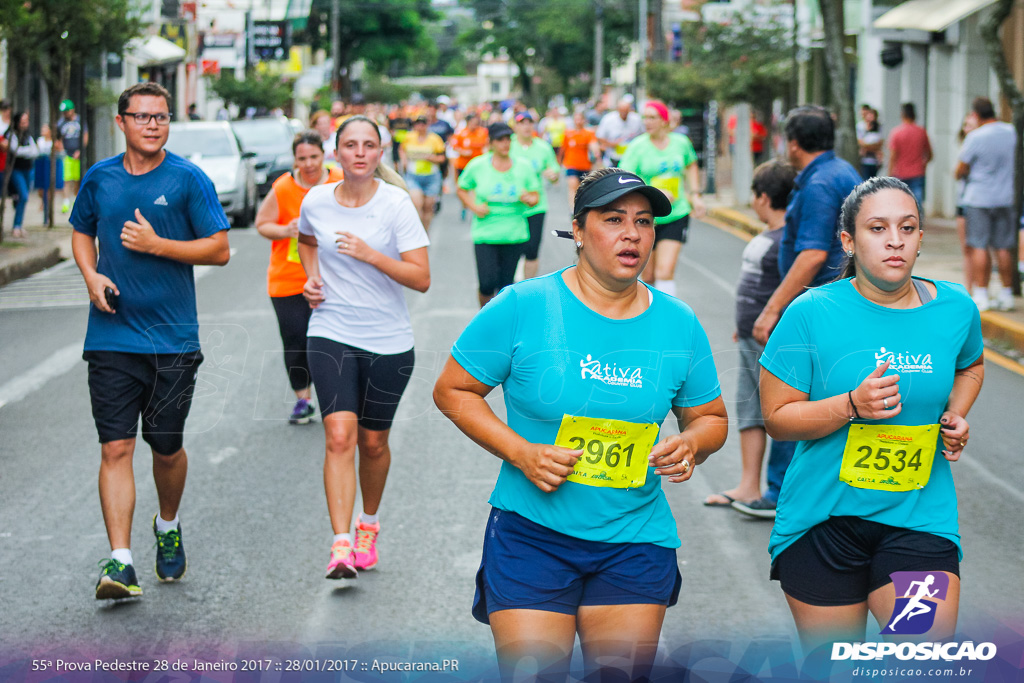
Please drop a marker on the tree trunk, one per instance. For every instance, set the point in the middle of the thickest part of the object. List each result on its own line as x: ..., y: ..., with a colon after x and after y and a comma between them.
x: 997, y: 60
x: 839, y: 82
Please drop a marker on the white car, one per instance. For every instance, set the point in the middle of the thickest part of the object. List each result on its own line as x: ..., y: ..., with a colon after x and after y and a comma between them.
x: 214, y: 147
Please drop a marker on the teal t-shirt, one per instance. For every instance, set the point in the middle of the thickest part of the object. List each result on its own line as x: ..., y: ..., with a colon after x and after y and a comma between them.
x: 663, y: 168
x: 542, y: 157
x: 506, y: 222
x: 828, y: 341
x: 554, y: 356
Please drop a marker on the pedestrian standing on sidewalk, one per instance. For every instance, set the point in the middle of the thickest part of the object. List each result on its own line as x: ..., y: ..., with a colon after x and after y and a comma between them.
x: 581, y: 538
x: 874, y: 375
x: 668, y: 162
x: 361, y: 244
x: 74, y: 137
x: 910, y: 151
x: 970, y: 123
x: 278, y: 220
x: 986, y: 164
x: 23, y: 155
x: 48, y: 148
x: 759, y: 276
x: 155, y: 215
x: 869, y: 144
x: 810, y: 253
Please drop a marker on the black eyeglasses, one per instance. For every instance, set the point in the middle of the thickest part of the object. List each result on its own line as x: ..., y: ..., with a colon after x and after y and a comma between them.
x: 143, y: 118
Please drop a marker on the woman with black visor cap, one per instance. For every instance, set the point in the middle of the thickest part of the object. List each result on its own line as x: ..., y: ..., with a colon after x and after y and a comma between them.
x: 580, y: 538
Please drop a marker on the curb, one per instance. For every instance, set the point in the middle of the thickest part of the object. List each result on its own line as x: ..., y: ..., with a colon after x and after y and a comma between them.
x: 735, y: 219
x: 30, y: 262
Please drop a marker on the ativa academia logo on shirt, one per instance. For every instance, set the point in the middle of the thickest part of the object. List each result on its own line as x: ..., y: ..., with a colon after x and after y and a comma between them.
x: 905, y: 362
x: 610, y: 374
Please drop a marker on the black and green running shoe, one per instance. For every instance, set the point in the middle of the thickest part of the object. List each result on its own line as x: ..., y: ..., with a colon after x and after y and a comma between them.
x: 117, y: 581
x: 170, y: 554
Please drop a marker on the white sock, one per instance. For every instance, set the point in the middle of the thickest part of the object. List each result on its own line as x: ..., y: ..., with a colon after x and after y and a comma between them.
x: 342, y: 537
x: 368, y: 519
x: 163, y: 526
x: 667, y: 286
x: 1006, y: 293
x: 981, y: 293
x: 122, y: 555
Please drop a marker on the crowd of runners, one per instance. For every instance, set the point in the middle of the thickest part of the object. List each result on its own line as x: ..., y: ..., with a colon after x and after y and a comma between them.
x: 591, y: 358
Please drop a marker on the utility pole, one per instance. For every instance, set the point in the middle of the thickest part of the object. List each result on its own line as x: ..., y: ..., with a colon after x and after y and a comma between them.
x: 641, y: 67
x: 336, y: 49
x: 598, y: 49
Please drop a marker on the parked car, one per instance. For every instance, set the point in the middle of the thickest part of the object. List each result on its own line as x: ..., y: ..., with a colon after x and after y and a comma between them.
x: 214, y: 147
x: 271, y: 140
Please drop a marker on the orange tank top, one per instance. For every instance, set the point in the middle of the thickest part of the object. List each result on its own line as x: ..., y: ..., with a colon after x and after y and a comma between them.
x: 285, y: 276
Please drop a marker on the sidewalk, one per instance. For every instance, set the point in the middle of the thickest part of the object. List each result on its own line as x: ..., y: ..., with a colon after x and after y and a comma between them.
x: 940, y: 259
x: 41, y: 247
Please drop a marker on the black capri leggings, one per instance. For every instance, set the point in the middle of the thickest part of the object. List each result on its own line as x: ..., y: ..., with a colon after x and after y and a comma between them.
x: 293, y: 320
x: 536, y: 223
x: 496, y: 265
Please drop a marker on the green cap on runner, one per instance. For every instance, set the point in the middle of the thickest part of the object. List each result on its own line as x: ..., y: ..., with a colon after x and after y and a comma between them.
x: 67, y: 105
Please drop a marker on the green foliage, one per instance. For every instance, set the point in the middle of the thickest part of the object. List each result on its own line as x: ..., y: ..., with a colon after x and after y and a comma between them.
x: 735, y: 62
x: 556, y: 34
x: 380, y: 32
x: 378, y: 89
x: 256, y: 90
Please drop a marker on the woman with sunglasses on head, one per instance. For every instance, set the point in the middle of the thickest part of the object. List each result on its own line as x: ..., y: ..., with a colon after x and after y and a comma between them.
x: 667, y: 161
x: 580, y: 538
x: 873, y: 375
x: 361, y: 244
x: 278, y: 221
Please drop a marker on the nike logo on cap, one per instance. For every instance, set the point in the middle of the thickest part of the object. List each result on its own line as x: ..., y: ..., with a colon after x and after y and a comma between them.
x: 623, y: 181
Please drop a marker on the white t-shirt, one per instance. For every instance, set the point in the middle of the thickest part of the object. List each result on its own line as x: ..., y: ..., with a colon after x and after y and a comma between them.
x: 363, y: 307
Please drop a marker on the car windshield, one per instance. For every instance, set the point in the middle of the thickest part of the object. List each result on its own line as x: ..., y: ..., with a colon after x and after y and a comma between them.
x: 267, y: 135
x: 208, y: 142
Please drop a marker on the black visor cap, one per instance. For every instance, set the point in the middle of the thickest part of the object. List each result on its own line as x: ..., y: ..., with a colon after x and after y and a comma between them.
x: 609, y: 188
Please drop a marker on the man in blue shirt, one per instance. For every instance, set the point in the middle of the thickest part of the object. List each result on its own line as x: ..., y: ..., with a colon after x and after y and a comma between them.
x: 810, y: 253
x: 155, y: 215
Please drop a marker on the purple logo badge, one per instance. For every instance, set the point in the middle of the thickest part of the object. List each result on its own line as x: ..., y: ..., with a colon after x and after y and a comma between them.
x: 917, y: 598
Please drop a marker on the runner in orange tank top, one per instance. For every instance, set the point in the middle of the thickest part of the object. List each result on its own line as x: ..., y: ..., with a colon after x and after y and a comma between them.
x: 278, y: 220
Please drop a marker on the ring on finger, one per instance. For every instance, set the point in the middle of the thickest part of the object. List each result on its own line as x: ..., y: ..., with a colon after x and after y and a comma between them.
x: 885, y: 403
x: 962, y: 443
x: 686, y: 465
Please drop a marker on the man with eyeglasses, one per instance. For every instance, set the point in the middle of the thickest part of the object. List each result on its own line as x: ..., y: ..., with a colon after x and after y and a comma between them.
x: 156, y: 215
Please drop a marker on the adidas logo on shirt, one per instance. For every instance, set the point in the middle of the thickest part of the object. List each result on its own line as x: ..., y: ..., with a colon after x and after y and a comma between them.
x: 161, y: 201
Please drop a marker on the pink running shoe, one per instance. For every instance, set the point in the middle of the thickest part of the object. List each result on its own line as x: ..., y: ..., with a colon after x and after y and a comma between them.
x: 340, y: 566
x: 366, y: 545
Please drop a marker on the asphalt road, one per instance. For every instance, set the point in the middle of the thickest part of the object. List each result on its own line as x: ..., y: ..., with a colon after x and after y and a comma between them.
x: 254, y: 520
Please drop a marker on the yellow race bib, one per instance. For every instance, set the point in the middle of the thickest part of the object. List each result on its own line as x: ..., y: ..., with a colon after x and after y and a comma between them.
x: 293, y: 250
x: 667, y: 183
x: 620, y: 149
x: 423, y: 167
x: 889, y: 457
x: 614, y: 452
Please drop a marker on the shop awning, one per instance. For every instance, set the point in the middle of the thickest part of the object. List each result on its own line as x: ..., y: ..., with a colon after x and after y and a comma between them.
x: 152, y: 51
x: 929, y: 15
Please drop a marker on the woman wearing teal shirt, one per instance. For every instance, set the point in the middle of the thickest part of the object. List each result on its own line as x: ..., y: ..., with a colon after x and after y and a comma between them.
x: 499, y: 191
x: 874, y: 375
x: 580, y: 538
x: 668, y: 162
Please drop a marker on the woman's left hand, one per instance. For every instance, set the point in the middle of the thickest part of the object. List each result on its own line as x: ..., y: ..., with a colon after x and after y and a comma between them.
x: 698, y: 209
x: 354, y: 246
x: 674, y: 457
x: 955, y: 432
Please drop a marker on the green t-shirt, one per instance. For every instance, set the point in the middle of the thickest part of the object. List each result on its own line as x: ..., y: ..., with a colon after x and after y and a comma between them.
x: 665, y: 169
x: 542, y: 158
x: 506, y: 223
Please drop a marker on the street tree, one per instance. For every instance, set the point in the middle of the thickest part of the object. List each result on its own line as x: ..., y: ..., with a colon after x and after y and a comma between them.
x: 556, y: 34
x: 839, y: 79
x: 739, y: 61
x: 377, y: 31
x: 257, y: 89
x: 1001, y: 68
x: 54, y: 33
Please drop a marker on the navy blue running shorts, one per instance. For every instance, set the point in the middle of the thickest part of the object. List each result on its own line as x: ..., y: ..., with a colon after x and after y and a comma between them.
x: 843, y: 559
x: 359, y: 381
x: 157, y: 387
x: 528, y: 566
x: 676, y: 230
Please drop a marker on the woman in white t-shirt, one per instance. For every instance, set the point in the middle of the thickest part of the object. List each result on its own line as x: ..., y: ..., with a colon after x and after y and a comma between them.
x: 360, y: 242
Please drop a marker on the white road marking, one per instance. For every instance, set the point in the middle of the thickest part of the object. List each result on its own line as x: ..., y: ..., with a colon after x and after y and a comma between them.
x: 54, y: 366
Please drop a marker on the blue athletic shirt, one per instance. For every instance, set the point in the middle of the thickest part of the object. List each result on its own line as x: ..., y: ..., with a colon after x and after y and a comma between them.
x: 828, y: 341
x: 554, y: 356
x: 156, y: 311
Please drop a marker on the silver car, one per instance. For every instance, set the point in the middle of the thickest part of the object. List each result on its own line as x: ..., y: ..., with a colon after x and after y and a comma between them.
x: 214, y: 147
